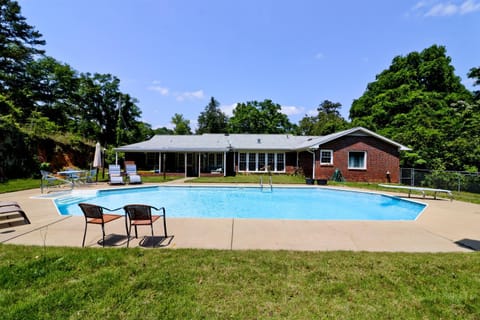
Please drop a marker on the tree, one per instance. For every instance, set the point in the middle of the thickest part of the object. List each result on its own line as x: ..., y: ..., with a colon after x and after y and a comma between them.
x: 129, y: 129
x: 19, y: 44
x: 212, y: 119
x: 328, y: 120
x: 162, y: 131
x: 182, y: 125
x: 105, y: 114
x: 54, y: 91
x: 474, y: 74
x: 259, y: 117
x: 412, y: 102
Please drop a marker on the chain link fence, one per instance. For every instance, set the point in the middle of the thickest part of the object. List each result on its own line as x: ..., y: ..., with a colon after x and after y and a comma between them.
x: 450, y: 180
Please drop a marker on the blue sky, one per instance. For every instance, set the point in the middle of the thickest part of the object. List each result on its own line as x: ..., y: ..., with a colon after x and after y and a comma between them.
x: 174, y: 55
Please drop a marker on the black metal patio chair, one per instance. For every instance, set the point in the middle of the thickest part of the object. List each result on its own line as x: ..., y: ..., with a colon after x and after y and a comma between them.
x: 94, y: 214
x: 141, y: 215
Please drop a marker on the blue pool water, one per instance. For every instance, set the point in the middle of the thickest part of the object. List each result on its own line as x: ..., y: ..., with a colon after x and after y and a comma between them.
x: 234, y: 202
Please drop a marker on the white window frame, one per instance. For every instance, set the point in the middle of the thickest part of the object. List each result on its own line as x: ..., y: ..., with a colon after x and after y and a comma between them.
x: 364, y: 160
x: 261, y: 167
x: 331, y: 157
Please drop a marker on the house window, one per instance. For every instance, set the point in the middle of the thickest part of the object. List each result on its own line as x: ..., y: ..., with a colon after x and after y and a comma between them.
x: 252, y: 162
x: 326, y: 157
x: 242, y: 162
x: 280, y: 162
x: 357, y: 160
x: 262, y: 166
x: 261, y: 162
x: 271, y: 161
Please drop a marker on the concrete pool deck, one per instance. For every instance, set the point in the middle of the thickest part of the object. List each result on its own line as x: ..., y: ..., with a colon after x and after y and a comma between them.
x: 444, y: 226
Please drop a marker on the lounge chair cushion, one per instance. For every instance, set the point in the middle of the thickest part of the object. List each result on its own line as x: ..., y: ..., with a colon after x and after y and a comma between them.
x: 116, y: 180
x: 134, y: 178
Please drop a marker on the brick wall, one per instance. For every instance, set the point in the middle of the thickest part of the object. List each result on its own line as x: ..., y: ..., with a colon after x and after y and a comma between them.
x: 381, y: 158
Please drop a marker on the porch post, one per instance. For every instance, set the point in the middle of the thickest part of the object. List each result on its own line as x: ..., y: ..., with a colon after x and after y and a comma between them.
x: 199, y: 163
x: 234, y: 162
x: 159, y: 162
x: 185, y: 164
x: 224, y: 166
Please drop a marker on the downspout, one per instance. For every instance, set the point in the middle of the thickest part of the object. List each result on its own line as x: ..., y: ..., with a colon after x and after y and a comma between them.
x: 313, y: 165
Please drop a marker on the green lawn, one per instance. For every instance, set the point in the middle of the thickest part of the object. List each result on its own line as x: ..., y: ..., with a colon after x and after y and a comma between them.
x: 95, y: 283
x: 75, y: 283
x: 19, y: 184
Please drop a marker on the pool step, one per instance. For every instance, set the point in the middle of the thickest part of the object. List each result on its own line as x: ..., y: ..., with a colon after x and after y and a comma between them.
x: 69, y: 200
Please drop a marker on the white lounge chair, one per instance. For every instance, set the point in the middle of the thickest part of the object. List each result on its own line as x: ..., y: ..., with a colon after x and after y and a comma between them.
x: 115, y: 174
x: 133, y: 176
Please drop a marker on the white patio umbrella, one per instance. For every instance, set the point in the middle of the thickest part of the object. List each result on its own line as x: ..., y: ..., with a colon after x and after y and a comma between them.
x: 97, y: 159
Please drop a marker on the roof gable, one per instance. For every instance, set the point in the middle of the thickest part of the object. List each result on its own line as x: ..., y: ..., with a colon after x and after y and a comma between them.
x: 357, y: 131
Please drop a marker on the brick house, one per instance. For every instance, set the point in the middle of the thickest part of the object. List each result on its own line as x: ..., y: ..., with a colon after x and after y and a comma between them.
x: 359, y: 154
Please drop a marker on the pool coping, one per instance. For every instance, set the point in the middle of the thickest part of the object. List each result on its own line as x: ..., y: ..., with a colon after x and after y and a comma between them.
x: 443, y: 226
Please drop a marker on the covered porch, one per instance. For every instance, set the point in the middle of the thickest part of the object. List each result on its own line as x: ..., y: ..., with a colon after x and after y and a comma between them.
x: 187, y: 164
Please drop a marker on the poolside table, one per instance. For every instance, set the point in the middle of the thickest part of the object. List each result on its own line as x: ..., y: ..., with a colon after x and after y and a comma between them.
x: 72, y: 175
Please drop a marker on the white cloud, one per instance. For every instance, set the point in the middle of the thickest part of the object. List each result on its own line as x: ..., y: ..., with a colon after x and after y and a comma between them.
x: 421, y: 4
x: 312, y: 112
x: 192, y: 95
x: 162, y: 90
x: 228, y: 109
x: 180, y: 96
x: 469, y: 6
x: 435, y: 8
x: 442, y: 9
x: 291, y: 110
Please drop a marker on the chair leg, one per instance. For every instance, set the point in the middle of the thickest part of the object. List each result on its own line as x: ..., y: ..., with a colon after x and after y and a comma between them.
x: 136, y: 233
x: 126, y: 229
x: 128, y: 234
x: 151, y: 226
x: 84, y: 235
x: 165, y: 226
x: 103, y: 236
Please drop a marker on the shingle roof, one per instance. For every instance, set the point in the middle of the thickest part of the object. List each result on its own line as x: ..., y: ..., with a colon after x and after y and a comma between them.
x: 212, y: 142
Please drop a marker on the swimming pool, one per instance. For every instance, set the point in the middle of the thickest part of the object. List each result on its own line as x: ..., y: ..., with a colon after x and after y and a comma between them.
x: 249, y: 202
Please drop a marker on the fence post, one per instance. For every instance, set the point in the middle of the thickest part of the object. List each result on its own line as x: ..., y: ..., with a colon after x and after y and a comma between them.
x: 458, y: 179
